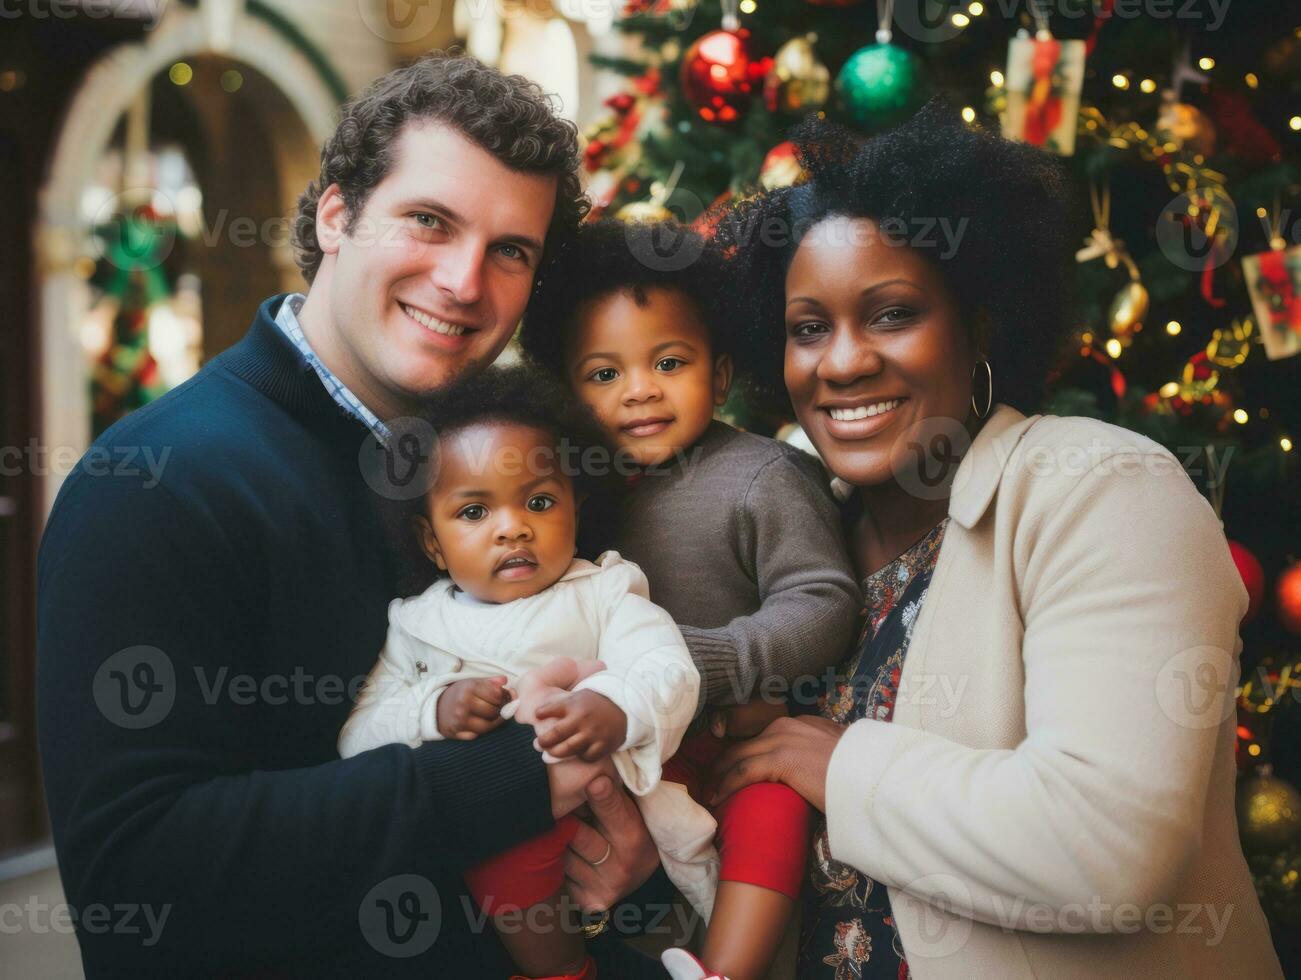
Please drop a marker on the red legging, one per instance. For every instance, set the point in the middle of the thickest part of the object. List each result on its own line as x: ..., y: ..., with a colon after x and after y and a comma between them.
x: 763, y: 839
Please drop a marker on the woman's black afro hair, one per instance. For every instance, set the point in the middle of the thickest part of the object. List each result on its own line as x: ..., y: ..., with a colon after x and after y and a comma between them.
x: 1006, y: 200
x: 609, y: 256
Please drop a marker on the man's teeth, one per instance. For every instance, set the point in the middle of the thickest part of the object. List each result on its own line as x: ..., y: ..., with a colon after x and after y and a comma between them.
x: 437, y: 326
x: 863, y: 411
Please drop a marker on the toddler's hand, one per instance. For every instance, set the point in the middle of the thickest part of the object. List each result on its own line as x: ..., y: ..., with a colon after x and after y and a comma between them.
x: 745, y: 720
x: 583, y: 724
x: 552, y: 680
x: 467, y: 709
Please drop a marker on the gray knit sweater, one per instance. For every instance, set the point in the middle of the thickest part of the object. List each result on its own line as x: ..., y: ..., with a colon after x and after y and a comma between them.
x: 742, y: 544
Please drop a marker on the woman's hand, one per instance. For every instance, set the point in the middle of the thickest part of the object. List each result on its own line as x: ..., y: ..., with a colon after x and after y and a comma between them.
x: 794, y: 751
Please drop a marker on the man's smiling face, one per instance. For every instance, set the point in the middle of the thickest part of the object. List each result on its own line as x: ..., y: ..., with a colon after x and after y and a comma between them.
x: 430, y: 280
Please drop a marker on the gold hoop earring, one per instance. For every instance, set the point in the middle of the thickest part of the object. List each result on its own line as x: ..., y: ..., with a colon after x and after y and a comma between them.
x: 989, y: 396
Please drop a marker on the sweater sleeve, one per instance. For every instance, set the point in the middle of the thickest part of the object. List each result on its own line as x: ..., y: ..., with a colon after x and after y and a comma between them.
x: 648, y: 674
x: 155, y: 792
x: 790, y: 534
x: 1130, y: 608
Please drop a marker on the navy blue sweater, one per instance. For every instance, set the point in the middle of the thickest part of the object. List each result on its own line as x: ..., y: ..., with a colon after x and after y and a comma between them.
x: 198, y: 643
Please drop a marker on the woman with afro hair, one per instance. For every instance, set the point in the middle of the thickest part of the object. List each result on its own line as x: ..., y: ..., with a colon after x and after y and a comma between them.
x: 1025, y: 766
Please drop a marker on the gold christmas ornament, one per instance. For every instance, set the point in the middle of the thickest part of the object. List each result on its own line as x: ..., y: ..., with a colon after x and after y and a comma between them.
x: 643, y: 211
x: 1230, y: 346
x: 1128, y: 310
x: 1280, y: 882
x: 1269, y: 814
x: 1186, y: 128
x: 798, y: 81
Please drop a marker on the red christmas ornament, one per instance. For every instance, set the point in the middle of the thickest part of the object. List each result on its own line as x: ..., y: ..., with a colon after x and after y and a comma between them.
x: 1289, y: 599
x: 720, y: 75
x: 1253, y: 577
x: 620, y: 103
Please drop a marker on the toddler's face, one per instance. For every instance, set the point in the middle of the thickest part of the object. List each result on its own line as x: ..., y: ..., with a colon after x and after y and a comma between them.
x: 647, y: 371
x: 500, y: 519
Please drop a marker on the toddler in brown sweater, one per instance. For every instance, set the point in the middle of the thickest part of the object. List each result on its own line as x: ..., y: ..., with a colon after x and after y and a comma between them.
x: 737, y: 534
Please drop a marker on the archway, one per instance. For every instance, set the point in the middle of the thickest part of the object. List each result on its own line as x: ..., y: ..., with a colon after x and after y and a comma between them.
x: 295, y: 109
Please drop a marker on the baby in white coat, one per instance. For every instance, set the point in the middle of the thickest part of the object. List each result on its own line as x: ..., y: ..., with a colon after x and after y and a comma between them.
x: 518, y: 626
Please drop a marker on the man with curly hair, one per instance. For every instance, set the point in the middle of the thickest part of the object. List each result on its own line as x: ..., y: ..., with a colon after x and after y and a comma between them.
x: 201, y: 640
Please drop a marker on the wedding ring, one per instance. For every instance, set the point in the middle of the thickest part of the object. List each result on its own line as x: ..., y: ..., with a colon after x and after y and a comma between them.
x: 609, y: 849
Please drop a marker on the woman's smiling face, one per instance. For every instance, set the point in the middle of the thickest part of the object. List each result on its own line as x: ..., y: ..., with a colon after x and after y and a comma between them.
x: 874, y: 346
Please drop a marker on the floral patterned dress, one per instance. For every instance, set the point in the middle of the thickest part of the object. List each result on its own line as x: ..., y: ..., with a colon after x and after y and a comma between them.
x: 849, y: 932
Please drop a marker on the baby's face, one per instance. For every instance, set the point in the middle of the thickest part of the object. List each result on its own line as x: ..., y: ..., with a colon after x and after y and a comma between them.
x: 646, y: 371
x: 500, y: 519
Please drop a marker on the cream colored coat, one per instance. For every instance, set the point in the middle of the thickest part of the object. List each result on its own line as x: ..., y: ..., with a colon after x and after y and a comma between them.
x: 1054, y: 797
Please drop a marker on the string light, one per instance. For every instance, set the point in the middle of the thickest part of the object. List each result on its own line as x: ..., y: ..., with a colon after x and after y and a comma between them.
x: 748, y: 6
x: 1253, y: 749
x: 1169, y: 389
x: 1295, y: 122
x: 996, y: 78
x: 1251, y: 79
x: 977, y: 8
x: 1147, y: 85
x: 1286, y: 444
x: 960, y: 19
x: 1205, y: 64
x: 968, y: 114
x: 232, y: 81
x: 181, y: 73
x: 1120, y: 81
x: 1240, y: 416
x: 1113, y: 347
x: 1173, y: 328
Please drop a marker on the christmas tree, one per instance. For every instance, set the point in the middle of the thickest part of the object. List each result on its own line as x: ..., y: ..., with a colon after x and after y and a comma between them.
x: 1179, y: 126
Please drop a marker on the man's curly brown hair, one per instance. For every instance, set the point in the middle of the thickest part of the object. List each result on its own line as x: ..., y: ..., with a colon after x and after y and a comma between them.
x: 507, y: 115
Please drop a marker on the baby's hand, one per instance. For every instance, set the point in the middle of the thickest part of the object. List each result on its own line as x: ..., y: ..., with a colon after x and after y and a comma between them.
x: 467, y: 709
x: 552, y: 680
x: 583, y: 724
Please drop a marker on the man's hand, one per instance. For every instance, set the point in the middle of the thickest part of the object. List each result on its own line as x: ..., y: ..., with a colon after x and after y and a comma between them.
x: 583, y: 724
x: 746, y: 720
x: 467, y: 709
x: 568, y: 782
x: 614, y: 856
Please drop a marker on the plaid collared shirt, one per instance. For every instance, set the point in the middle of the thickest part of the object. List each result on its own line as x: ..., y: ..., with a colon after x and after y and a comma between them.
x: 287, y: 320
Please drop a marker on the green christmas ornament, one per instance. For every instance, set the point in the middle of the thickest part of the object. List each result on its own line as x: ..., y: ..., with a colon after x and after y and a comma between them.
x: 880, y: 85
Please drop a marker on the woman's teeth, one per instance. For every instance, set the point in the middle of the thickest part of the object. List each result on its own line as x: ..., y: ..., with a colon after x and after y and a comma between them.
x: 427, y: 321
x: 863, y: 411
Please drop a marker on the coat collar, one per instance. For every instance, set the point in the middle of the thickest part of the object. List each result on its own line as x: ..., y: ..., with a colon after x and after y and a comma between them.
x: 981, y: 469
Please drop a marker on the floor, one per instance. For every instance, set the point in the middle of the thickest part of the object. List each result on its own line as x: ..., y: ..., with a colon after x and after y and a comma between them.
x: 36, y: 940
